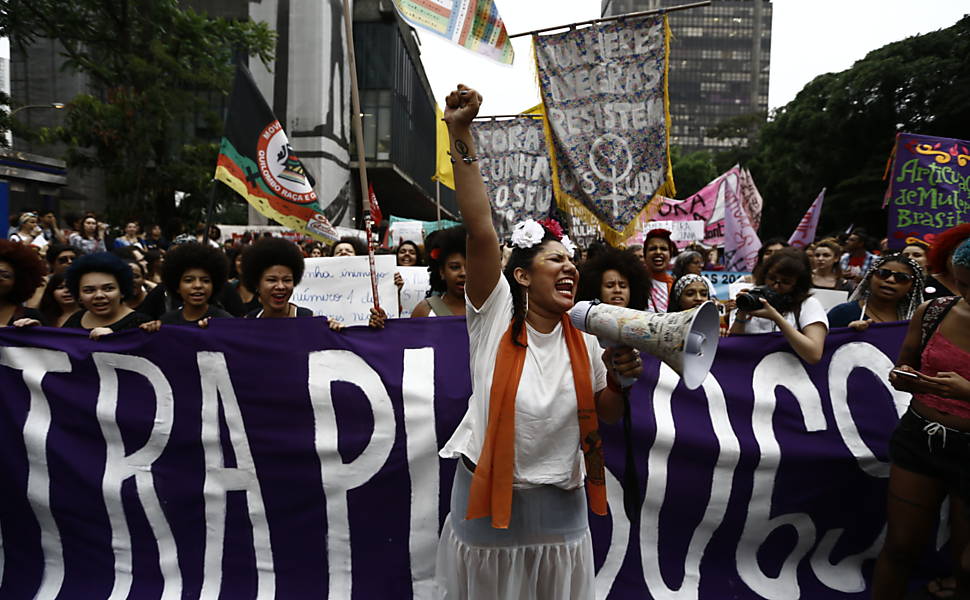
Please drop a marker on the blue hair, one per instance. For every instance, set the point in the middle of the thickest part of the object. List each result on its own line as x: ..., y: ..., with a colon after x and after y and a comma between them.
x: 961, y: 256
x: 100, y: 262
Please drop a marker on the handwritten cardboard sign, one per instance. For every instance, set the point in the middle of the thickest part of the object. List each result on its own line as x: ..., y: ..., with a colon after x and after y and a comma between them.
x: 339, y: 288
x: 416, y: 284
x: 929, y: 191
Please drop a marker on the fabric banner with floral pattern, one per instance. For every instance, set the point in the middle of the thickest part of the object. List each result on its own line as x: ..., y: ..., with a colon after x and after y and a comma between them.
x: 604, y: 88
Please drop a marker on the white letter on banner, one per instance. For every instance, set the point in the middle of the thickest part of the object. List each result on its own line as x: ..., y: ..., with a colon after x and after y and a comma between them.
x: 120, y: 467
x: 729, y: 450
x: 846, y: 576
x: 619, y: 540
x: 220, y: 479
x: 422, y: 445
x: 779, y: 369
x: 327, y: 367
x: 35, y: 363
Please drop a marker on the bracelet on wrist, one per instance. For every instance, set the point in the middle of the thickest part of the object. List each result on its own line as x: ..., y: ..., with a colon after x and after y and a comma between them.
x: 465, y: 159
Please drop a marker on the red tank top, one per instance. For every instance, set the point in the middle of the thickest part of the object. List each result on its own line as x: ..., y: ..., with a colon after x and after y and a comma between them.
x: 940, y: 354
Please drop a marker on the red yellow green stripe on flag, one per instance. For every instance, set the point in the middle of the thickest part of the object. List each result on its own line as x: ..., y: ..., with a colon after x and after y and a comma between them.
x: 258, y: 163
x: 472, y: 24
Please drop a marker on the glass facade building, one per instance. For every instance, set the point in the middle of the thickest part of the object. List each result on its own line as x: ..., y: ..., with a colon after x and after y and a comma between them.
x: 720, y: 58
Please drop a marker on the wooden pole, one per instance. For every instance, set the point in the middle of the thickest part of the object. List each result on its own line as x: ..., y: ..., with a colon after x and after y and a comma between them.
x: 635, y: 15
x: 359, y: 139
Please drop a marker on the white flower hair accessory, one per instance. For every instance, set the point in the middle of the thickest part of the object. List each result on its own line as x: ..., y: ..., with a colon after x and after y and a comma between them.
x: 527, y: 234
x: 569, y: 245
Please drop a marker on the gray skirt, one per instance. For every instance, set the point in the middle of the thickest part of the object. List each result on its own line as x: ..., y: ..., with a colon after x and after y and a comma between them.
x: 546, y: 552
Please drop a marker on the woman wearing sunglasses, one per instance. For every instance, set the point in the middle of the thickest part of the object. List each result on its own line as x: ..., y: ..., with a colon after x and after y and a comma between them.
x: 890, y: 291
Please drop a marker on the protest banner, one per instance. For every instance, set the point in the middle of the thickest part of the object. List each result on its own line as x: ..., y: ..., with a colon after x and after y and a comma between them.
x: 416, y: 285
x: 604, y: 89
x: 929, y: 187
x: 751, y: 199
x: 514, y: 162
x: 741, y: 242
x: 681, y: 232
x: 723, y: 279
x: 706, y: 205
x: 401, y: 229
x: 276, y: 458
x: 339, y: 287
x: 804, y: 233
x: 474, y: 26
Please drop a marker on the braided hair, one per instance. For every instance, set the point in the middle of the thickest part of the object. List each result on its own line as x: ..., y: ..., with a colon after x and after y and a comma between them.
x: 905, y: 307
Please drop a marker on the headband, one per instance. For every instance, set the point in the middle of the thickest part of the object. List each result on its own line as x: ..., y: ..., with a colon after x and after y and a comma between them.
x: 682, y: 282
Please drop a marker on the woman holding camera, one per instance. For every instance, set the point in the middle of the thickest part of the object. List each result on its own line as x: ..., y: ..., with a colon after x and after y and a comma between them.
x: 538, y: 385
x: 783, y: 293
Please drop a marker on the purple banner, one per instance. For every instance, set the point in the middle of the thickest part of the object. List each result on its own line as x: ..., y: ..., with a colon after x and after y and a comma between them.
x: 929, y: 191
x: 278, y: 459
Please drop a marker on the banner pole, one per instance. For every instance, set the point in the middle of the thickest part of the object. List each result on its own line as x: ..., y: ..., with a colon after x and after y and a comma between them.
x: 208, y: 212
x: 633, y: 15
x: 359, y: 139
x: 437, y: 198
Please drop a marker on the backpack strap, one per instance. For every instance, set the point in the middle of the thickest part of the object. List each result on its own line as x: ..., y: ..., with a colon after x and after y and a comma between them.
x: 932, y: 317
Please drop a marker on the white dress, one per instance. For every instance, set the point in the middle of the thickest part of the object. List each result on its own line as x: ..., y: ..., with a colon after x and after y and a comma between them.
x: 546, y: 552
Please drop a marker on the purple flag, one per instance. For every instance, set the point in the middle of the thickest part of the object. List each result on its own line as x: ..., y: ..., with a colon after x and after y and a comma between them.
x: 804, y: 234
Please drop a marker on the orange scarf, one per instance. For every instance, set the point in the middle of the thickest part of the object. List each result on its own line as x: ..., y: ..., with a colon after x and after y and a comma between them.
x: 491, y: 489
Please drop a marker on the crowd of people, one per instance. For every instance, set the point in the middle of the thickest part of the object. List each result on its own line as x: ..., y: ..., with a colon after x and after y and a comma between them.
x: 526, y: 357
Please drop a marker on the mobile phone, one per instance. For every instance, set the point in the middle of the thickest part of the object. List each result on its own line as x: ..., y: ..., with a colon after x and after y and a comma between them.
x: 909, y: 374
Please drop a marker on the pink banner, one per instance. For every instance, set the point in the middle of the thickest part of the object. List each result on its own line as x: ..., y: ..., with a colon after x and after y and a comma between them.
x: 706, y: 205
x: 741, y: 243
x: 805, y: 232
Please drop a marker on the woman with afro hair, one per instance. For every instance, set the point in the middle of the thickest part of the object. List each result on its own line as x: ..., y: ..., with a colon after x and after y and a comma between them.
x: 101, y: 282
x: 272, y: 269
x: 446, y: 268
x: 21, y: 273
x: 195, y: 274
x: 615, y: 277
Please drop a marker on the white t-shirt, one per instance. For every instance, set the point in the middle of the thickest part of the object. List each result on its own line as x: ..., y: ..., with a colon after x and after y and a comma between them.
x: 547, y: 450
x: 812, y: 311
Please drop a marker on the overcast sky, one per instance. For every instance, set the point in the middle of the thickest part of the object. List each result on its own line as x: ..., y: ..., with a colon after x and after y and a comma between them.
x: 808, y: 38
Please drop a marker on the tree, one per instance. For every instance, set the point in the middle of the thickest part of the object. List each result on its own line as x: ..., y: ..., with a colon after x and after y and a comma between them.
x: 839, y: 130
x: 158, y: 74
x: 692, y: 171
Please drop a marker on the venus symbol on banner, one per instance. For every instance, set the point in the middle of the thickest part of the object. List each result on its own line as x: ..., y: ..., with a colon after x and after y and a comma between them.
x: 613, y: 149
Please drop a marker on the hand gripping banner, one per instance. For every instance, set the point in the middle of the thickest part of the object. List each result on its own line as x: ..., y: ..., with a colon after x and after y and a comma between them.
x: 604, y: 88
x: 278, y: 459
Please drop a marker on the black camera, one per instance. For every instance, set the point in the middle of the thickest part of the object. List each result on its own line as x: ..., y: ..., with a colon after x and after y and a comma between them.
x: 751, y: 300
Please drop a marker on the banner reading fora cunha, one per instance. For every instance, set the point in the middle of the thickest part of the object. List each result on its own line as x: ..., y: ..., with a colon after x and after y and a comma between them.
x: 929, y: 188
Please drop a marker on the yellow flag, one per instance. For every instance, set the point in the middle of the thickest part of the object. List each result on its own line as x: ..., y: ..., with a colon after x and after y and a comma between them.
x: 443, y: 172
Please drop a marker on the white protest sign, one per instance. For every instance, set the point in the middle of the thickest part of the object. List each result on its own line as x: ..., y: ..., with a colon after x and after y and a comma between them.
x: 416, y: 284
x: 830, y: 298
x: 400, y: 231
x: 680, y: 231
x: 339, y: 288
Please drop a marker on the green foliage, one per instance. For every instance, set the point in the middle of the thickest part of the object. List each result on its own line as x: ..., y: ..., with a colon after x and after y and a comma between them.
x: 839, y: 130
x: 158, y: 77
x: 692, y: 171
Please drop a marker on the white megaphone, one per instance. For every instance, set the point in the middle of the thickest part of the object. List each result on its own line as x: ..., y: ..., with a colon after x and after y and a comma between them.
x: 685, y: 340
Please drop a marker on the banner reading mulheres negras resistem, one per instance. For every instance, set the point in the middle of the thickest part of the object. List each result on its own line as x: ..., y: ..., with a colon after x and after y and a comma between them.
x: 604, y: 89
x: 929, y: 187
